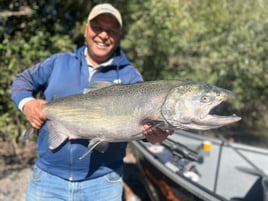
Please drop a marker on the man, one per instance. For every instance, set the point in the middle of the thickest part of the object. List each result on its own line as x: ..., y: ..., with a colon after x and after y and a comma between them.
x: 59, y: 174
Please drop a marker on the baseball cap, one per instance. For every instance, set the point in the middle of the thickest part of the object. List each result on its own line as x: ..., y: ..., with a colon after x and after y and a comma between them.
x: 105, y: 8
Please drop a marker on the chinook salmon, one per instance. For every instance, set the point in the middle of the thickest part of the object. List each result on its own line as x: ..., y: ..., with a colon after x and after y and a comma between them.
x: 118, y: 112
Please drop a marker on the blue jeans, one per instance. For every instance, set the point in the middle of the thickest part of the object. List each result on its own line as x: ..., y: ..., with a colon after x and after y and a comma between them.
x: 47, y: 187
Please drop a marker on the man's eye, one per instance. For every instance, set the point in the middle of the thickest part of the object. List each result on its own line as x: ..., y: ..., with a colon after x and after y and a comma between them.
x: 111, y: 32
x: 96, y: 28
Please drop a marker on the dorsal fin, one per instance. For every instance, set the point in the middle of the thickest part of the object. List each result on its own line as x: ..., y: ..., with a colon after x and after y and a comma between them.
x: 54, y: 98
x: 97, y: 85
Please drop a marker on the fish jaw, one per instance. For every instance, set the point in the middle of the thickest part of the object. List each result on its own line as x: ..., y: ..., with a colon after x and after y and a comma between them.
x: 214, y: 121
x: 206, y: 122
x: 189, y: 107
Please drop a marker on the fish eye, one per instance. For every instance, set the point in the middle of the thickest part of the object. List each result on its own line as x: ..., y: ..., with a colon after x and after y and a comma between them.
x: 205, y: 99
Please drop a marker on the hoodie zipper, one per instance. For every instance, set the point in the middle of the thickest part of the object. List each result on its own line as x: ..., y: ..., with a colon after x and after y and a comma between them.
x: 71, y: 162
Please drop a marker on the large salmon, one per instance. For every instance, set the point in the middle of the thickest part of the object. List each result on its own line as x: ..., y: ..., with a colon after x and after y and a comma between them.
x: 117, y: 113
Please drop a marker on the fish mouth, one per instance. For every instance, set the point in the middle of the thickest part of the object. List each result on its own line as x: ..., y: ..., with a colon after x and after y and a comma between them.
x: 212, y: 120
x: 215, y: 121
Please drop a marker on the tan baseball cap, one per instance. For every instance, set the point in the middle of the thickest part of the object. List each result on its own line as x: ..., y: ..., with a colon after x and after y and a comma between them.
x: 105, y: 8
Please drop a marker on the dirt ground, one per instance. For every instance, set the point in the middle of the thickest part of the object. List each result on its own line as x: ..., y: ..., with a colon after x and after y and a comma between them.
x: 16, y: 168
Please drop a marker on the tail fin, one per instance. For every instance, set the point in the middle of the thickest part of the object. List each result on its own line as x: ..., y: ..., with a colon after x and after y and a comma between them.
x: 28, y: 132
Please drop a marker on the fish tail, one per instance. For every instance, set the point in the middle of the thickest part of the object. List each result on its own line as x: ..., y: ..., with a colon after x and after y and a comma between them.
x: 28, y: 132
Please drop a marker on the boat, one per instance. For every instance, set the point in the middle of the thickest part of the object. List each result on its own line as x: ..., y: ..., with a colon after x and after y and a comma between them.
x: 192, y: 167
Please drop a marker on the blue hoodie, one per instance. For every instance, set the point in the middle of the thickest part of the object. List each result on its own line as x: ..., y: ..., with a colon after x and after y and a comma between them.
x: 63, y: 75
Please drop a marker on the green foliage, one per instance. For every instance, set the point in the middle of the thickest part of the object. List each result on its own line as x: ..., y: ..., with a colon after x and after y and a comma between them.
x: 23, y: 44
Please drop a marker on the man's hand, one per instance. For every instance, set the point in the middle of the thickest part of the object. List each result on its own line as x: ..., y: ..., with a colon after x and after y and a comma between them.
x: 156, y: 135
x: 34, y: 113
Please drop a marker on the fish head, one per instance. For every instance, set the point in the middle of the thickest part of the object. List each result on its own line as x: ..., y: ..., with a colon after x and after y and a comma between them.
x: 188, y: 106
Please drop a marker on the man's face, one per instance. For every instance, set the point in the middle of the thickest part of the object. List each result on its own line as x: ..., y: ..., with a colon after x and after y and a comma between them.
x: 102, y: 35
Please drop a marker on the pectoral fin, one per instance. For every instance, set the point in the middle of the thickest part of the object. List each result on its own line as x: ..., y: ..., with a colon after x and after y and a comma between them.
x: 57, y: 134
